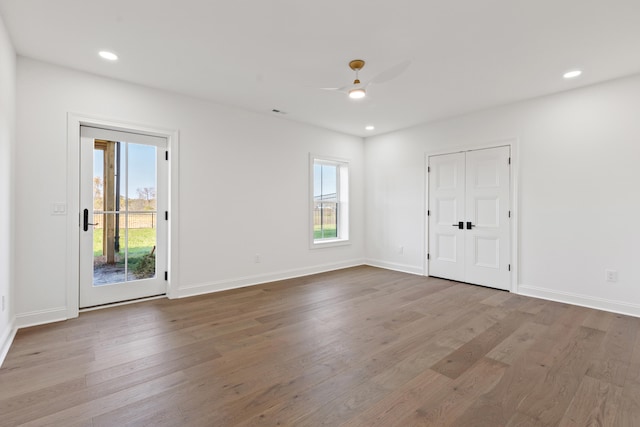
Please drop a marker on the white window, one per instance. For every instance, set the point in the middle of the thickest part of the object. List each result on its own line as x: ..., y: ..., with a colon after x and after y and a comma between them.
x: 329, y: 201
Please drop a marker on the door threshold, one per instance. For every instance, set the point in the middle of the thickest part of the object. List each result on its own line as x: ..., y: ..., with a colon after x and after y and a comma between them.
x: 119, y: 303
x: 472, y: 284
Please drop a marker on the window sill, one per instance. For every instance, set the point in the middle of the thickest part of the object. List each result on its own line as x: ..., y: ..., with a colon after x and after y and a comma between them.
x: 329, y: 243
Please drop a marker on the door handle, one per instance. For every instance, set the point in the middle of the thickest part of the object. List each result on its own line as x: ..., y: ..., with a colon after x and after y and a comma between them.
x: 85, y: 221
x: 469, y: 225
x: 460, y: 225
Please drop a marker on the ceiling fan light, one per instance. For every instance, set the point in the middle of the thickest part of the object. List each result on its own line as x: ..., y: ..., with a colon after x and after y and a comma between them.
x: 357, y: 93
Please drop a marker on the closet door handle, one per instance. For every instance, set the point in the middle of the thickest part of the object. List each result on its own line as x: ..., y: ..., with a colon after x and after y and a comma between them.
x: 460, y: 225
x: 469, y: 225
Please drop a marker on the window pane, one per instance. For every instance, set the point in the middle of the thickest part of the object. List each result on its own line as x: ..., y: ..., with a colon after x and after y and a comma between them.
x: 317, y: 181
x: 329, y: 223
x: 317, y: 220
x: 121, y: 176
x: 141, y: 244
x: 142, y: 214
x: 142, y: 176
x: 98, y: 179
x: 326, y: 200
x: 329, y: 182
x: 108, y: 261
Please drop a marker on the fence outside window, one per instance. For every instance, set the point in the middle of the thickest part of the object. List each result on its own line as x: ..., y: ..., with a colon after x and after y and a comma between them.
x: 135, y: 219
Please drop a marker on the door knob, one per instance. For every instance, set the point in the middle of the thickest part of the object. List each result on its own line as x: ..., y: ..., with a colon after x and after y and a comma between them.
x: 460, y: 225
x: 469, y: 225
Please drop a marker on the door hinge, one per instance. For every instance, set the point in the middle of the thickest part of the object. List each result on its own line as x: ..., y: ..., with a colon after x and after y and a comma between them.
x: 166, y: 215
x: 509, y: 267
x: 166, y: 275
x: 428, y: 256
x: 428, y: 213
x: 509, y: 160
x: 166, y: 155
x: 509, y: 214
x: 428, y: 169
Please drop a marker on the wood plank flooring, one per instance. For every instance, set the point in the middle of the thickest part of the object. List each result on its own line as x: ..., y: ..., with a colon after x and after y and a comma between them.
x: 356, y: 347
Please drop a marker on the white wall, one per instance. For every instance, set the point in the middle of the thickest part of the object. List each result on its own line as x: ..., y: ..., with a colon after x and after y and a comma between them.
x: 243, y: 186
x: 578, y: 191
x: 7, y: 135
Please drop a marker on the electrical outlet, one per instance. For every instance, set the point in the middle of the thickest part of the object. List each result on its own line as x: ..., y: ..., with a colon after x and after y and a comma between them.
x: 611, y: 275
x: 257, y: 259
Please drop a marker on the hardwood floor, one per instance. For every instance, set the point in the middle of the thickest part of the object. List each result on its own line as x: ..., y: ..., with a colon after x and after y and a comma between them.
x: 356, y: 347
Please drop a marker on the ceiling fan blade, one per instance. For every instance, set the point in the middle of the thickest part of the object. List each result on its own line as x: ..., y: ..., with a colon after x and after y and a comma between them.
x: 344, y: 89
x: 390, y: 73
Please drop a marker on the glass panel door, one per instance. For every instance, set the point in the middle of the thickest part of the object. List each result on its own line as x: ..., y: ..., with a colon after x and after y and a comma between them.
x: 121, y: 228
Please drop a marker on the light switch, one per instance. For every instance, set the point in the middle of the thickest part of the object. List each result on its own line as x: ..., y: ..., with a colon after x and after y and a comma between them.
x: 59, y: 209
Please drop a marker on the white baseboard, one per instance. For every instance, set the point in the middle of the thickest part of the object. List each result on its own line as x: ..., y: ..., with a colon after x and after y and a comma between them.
x: 241, y: 282
x: 619, y: 307
x: 41, y: 317
x: 6, y: 339
x: 404, y: 268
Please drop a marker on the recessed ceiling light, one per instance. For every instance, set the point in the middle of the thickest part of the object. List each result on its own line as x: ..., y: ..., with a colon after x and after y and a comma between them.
x: 370, y: 127
x: 108, y: 55
x: 572, y: 74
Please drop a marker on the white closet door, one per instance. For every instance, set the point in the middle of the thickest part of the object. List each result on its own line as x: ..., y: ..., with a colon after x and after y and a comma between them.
x: 446, y: 205
x: 487, y: 242
x: 471, y: 189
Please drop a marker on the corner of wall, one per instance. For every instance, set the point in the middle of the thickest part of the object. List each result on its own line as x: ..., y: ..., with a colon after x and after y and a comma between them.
x: 41, y: 317
x: 8, y: 65
x: 403, y: 268
x: 6, y: 339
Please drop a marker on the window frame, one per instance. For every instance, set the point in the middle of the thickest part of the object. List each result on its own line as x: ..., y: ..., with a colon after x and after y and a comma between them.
x: 342, y: 203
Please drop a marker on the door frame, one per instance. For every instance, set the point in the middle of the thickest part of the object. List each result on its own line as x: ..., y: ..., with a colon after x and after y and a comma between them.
x: 74, y: 121
x: 513, y: 144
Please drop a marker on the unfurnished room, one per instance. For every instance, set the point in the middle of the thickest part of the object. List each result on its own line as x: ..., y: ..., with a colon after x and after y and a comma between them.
x: 342, y: 213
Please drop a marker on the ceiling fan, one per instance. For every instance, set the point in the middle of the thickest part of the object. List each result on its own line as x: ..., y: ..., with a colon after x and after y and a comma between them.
x: 358, y: 90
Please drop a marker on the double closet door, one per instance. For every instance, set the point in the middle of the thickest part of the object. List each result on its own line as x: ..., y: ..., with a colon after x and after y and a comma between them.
x: 469, y: 217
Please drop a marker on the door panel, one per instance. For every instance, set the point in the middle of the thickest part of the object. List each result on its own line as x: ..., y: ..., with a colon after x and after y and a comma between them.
x: 487, y: 197
x: 446, y: 190
x: 472, y: 187
x: 123, y: 240
x: 487, y: 252
x: 487, y: 212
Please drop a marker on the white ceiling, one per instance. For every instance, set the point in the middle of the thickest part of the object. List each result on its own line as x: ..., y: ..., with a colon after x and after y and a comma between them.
x: 263, y: 54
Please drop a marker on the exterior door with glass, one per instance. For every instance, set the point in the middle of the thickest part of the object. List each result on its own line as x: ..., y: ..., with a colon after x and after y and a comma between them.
x: 123, y: 216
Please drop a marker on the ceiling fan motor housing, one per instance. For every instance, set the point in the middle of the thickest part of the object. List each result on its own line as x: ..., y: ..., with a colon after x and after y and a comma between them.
x: 356, y: 64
